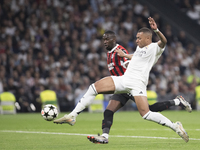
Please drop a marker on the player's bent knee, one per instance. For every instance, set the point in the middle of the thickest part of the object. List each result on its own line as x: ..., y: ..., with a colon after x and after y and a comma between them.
x: 114, y: 105
x: 92, y: 87
x: 105, y: 86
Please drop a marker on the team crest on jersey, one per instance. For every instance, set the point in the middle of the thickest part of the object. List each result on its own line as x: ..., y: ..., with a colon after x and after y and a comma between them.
x: 139, y: 53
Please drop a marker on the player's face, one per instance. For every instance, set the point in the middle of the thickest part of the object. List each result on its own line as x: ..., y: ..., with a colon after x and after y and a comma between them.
x: 141, y: 39
x: 108, y: 41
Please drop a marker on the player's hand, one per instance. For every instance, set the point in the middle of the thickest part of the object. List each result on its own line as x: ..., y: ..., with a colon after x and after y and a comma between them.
x: 120, y: 53
x: 152, y: 23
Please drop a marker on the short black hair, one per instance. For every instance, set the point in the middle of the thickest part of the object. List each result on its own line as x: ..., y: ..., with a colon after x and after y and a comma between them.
x: 110, y: 32
x: 145, y: 30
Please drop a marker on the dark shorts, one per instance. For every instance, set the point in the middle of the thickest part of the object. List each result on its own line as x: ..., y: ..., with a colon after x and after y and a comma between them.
x: 122, y: 98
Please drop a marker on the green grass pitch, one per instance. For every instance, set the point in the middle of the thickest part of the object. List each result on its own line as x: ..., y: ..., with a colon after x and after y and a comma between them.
x: 129, y: 131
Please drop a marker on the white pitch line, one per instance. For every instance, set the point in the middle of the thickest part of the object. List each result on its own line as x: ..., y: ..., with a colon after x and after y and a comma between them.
x: 160, y: 129
x: 120, y: 136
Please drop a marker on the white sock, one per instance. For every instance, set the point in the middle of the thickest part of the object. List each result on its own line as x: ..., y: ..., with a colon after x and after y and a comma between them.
x: 105, y: 135
x: 177, y: 102
x: 79, y: 107
x: 85, y: 101
x: 159, y: 118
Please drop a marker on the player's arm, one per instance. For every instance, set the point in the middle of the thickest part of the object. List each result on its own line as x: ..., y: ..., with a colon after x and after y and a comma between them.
x: 122, y: 54
x: 126, y: 63
x: 163, y: 41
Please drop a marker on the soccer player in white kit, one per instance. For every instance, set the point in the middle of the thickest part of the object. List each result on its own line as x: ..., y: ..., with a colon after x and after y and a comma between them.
x: 134, y: 80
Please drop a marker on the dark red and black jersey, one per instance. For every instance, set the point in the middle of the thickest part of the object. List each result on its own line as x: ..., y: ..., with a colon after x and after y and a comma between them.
x: 116, y: 63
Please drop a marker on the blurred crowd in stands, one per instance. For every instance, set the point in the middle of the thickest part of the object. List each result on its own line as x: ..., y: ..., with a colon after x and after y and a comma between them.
x: 56, y: 44
x: 190, y: 7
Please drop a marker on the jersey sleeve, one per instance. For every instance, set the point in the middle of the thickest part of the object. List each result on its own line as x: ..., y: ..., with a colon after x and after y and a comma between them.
x: 159, y: 50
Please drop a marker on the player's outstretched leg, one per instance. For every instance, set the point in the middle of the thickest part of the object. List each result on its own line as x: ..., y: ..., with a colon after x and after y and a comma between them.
x: 184, y: 104
x: 66, y: 119
x: 162, y: 120
x: 181, y: 131
x: 98, y: 139
x: 86, y: 100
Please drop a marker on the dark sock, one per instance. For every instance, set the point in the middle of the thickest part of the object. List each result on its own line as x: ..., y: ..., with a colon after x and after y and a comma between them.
x: 108, y: 120
x: 160, y: 106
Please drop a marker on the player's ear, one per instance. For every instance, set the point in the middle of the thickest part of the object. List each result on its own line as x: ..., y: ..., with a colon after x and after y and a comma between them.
x: 149, y: 36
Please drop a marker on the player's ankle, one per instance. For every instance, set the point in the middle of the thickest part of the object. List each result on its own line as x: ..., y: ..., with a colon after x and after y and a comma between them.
x: 176, y: 101
x: 105, y: 135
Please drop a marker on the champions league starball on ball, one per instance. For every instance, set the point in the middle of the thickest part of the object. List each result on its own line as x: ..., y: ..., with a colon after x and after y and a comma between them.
x: 49, y: 112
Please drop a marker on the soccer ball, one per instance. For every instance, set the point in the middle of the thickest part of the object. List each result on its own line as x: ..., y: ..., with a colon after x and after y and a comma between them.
x: 49, y: 112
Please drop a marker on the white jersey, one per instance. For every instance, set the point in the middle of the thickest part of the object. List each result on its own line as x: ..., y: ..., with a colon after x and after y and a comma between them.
x: 142, y: 61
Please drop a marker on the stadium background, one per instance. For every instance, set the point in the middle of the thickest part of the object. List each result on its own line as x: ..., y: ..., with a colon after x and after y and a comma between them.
x: 56, y: 45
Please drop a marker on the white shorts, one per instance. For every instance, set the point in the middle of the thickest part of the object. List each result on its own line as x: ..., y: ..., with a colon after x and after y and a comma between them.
x: 122, y: 85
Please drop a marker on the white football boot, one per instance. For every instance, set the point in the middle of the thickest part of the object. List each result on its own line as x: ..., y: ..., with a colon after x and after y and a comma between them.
x: 98, y: 139
x: 71, y: 120
x: 184, y: 104
x: 181, y: 132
